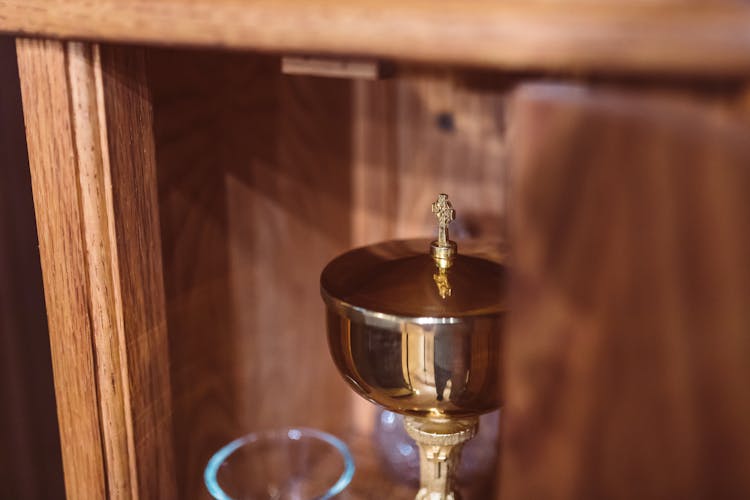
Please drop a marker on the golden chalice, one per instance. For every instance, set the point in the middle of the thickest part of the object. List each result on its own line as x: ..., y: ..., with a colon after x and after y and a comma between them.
x: 415, y: 326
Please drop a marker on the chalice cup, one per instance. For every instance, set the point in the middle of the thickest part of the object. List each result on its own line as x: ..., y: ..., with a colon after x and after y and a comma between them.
x: 415, y: 326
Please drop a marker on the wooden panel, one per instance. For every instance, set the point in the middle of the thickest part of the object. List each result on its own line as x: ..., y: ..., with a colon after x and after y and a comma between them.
x: 666, y: 37
x: 424, y: 133
x: 135, y: 222
x: 627, y: 356
x: 88, y: 125
x: 30, y: 460
x: 254, y: 191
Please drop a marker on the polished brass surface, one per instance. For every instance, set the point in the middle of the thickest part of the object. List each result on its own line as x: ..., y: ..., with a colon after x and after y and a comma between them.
x: 443, y: 249
x: 420, y: 334
x: 438, y: 369
x: 443, y: 284
x: 440, y: 443
x: 401, y: 344
x: 395, y: 279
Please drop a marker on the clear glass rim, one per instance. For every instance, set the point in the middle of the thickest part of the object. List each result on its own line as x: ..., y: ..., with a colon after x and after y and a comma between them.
x: 293, y: 433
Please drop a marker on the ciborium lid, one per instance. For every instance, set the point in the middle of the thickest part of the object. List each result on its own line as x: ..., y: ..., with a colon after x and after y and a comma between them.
x: 418, y: 280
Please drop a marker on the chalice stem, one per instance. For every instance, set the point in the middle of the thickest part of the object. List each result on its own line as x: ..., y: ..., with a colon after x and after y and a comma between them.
x: 440, y: 442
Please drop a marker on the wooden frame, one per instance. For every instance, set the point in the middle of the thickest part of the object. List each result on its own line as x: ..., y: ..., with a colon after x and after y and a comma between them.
x: 91, y: 155
x: 646, y: 38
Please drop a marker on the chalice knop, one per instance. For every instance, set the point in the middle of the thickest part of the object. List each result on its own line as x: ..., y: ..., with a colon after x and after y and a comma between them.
x: 419, y: 331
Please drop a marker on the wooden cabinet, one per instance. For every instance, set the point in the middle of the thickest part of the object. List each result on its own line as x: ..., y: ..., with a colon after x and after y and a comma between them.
x: 187, y: 197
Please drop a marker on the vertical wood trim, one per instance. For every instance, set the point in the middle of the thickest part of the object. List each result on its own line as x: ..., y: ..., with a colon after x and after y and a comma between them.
x: 54, y: 177
x: 91, y: 154
x: 89, y: 122
x: 141, y: 300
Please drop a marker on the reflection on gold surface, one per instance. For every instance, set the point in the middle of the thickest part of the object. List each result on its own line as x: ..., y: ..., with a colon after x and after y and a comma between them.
x: 396, y: 278
x: 449, y: 369
x: 443, y: 286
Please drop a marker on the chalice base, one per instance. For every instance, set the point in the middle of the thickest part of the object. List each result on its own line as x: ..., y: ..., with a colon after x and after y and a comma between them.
x: 440, y: 442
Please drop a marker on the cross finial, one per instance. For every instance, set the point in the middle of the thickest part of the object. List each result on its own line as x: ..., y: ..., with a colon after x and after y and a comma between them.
x: 445, y: 214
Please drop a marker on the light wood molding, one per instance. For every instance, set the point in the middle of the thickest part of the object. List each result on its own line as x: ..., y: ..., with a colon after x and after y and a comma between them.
x: 331, y: 67
x: 657, y: 38
x: 91, y: 153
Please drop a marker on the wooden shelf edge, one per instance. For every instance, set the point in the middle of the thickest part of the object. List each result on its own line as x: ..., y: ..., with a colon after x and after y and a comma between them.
x: 636, y: 38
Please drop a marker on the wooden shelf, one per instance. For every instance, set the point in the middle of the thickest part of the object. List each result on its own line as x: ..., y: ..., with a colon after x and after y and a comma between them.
x: 573, y: 37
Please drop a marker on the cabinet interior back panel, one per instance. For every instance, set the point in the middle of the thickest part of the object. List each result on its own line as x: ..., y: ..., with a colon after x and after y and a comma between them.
x: 263, y: 178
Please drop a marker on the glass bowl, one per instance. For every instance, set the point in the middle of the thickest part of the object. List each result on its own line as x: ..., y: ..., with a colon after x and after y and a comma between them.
x: 285, y: 464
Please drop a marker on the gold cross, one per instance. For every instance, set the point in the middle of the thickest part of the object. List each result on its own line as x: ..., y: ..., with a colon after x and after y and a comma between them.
x: 444, y: 212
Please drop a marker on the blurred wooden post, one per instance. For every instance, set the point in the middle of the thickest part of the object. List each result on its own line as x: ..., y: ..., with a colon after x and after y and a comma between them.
x: 628, y: 353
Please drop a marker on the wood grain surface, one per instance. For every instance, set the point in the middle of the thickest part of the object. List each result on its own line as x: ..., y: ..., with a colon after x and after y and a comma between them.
x: 88, y: 126
x: 254, y: 199
x: 664, y: 38
x: 30, y: 460
x: 628, y: 352
x: 426, y: 132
